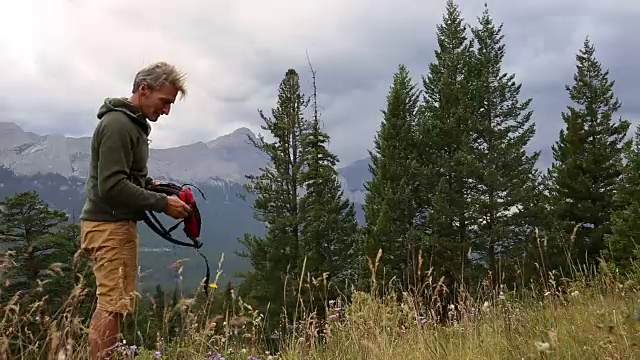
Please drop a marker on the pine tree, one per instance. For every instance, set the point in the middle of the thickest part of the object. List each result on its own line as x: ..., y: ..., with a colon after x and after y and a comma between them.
x: 329, y: 222
x: 444, y: 130
x: 390, y: 207
x: 588, y: 157
x: 275, y: 258
x: 505, y: 177
x: 31, y: 230
x: 623, y: 244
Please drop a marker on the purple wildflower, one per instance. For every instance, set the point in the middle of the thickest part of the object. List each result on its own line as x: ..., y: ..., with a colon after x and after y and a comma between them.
x: 214, y: 356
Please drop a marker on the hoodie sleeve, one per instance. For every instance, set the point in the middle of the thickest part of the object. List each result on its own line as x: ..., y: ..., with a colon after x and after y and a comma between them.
x: 115, y: 157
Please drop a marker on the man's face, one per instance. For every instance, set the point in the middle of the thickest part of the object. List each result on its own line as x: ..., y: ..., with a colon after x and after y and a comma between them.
x: 157, y: 102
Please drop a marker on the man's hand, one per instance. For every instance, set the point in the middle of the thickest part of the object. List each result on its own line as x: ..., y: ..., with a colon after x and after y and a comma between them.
x: 176, y: 208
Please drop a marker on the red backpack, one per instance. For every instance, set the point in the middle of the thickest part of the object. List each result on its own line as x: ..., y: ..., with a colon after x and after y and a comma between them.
x: 192, y: 223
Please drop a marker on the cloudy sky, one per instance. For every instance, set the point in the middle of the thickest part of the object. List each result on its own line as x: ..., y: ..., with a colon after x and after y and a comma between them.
x: 61, y: 58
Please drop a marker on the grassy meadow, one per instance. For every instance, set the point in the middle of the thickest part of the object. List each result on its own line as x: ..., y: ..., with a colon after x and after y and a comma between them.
x: 592, y: 315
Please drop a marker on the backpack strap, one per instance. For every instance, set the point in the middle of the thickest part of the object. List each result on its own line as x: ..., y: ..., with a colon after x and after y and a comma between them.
x: 152, y: 221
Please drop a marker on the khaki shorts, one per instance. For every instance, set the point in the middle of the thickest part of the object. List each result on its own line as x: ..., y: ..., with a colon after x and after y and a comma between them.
x: 113, y: 249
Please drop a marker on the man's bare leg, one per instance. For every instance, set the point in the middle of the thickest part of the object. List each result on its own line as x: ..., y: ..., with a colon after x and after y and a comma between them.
x: 103, y: 334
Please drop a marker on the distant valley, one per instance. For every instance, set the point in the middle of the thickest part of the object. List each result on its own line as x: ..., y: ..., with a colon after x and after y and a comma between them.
x: 56, y: 167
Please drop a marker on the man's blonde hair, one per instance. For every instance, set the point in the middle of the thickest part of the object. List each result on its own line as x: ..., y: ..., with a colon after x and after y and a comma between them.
x: 158, y: 73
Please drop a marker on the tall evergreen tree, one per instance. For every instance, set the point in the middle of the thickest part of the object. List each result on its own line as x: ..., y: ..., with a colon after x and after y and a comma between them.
x: 275, y: 258
x: 329, y: 223
x: 30, y: 229
x: 445, y: 143
x: 390, y: 207
x: 505, y: 177
x: 623, y: 244
x: 588, y: 157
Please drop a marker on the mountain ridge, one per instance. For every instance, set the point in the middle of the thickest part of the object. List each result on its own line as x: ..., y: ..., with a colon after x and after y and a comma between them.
x: 226, y: 158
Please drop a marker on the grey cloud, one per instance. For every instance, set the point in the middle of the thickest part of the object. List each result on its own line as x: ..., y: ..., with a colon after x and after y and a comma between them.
x: 236, y: 67
x: 47, y: 118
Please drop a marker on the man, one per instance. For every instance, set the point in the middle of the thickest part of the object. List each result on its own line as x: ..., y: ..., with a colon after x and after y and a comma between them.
x: 116, y: 196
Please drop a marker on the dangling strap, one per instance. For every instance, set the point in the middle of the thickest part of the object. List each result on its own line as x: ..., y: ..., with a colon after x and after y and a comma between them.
x: 157, y: 227
x: 166, y: 234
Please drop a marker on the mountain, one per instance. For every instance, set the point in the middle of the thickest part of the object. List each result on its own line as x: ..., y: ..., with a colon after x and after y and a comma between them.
x: 56, y: 166
x: 226, y: 158
x: 355, y: 175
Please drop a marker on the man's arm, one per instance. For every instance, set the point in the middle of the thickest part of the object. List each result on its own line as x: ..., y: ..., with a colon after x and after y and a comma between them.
x: 113, y: 168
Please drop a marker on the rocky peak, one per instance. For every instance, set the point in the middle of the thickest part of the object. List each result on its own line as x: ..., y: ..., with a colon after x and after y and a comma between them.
x: 237, y: 138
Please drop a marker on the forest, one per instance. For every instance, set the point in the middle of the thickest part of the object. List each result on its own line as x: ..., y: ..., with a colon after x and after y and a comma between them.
x: 468, y: 248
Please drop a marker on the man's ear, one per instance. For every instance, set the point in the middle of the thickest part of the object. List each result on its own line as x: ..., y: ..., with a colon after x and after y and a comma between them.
x: 143, y: 89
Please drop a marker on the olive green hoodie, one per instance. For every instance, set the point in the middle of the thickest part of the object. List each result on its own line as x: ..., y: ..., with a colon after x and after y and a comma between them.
x: 118, y: 169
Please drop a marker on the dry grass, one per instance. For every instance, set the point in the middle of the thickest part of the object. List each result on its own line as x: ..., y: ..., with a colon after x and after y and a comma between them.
x: 587, y: 320
x: 586, y: 325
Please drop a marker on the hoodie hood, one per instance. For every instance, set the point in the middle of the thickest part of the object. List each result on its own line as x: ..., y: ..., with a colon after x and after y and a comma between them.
x: 125, y: 106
